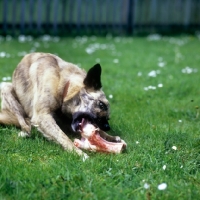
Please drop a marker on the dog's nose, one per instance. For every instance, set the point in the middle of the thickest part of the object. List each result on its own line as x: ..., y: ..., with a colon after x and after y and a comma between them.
x: 106, y: 127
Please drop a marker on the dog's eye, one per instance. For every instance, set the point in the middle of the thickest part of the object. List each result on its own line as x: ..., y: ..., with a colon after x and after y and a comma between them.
x: 103, y: 106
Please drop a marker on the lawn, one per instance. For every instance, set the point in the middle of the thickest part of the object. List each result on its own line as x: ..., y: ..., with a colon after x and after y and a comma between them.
x: 152, y: 84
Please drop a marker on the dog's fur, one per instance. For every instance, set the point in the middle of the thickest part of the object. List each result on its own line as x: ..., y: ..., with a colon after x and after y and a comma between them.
x: 47, y: 92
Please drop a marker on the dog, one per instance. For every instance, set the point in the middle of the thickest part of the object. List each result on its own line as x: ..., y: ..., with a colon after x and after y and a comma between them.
x: 54, y: 95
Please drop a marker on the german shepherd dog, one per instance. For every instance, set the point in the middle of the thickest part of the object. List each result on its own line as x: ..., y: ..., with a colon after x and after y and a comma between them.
x: 54, y: 95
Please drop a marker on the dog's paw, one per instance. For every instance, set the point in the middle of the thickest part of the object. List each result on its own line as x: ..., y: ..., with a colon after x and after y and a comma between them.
x: 117, y: 139
x: 85, y: 157
x: 23, y: 134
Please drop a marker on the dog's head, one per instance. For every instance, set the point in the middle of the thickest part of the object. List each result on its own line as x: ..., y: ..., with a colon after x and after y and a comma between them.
x: 90, y: 102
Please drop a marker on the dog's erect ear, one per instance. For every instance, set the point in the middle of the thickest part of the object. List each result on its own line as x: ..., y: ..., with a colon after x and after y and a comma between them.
x: 93, y: 77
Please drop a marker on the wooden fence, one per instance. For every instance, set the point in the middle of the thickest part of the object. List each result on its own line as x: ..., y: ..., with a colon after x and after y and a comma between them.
x: 98, y: 16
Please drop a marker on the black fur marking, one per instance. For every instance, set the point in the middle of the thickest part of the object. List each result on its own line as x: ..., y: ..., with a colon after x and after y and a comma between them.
x: 77, y: 118
x: 93, y: 77
x: 101, y: 122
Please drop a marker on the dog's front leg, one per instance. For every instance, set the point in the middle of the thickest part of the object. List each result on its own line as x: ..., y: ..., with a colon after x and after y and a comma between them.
x: 48, y: 127
x: 108, y: 137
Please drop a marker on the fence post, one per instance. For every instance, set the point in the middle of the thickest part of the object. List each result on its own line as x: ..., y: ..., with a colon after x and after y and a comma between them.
x: 22, y: 16
x: 63, y: 21
x: 188, y: 5
x: 13, y: 16
x: 47, y: 16
x: 55, y: 17
x: 5, y: 10
x: 39, y: 15
x: 130, y: 18
x: 31, y: 19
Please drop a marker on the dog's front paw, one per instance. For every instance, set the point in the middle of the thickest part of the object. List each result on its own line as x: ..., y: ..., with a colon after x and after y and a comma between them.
x: 23, y: 134
x: 83, y: 155
x: 117, y: 139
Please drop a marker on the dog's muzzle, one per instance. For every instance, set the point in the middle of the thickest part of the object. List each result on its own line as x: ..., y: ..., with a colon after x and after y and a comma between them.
x: 101, y: 123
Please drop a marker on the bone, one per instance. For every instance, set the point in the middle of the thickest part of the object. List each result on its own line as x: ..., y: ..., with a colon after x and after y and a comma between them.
x: 92, y: 141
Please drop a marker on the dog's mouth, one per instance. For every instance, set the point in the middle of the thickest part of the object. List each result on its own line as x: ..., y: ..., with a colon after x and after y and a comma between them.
x: 80, y: 118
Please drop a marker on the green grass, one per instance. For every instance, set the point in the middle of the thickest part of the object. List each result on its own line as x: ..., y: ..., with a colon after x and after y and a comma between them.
x: 150, y: 121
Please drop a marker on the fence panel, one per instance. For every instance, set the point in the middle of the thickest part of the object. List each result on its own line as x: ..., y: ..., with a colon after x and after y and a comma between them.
x: 97, y: 16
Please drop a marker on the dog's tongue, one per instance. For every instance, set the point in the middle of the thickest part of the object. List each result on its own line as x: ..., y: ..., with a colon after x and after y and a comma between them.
x: 82, y: 124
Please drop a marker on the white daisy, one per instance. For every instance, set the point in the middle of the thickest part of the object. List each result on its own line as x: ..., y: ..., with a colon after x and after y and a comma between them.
x: 174, y: 148
x: 146, y: 186
x: 162, y: 186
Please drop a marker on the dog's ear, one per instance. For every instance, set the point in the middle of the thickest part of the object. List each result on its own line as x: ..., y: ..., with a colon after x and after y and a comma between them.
x: 70, y: 90
x: 93, y: 77
x: 65, y: 91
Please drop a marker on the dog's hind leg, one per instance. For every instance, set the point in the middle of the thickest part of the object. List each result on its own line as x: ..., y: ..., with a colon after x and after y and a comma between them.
x: 12, y: 112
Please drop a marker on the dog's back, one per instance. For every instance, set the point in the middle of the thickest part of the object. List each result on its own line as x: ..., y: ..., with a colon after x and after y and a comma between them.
x: 40, y: 78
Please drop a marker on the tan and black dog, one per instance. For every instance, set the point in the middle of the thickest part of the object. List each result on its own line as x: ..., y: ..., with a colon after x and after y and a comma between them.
x: 47, y: 92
